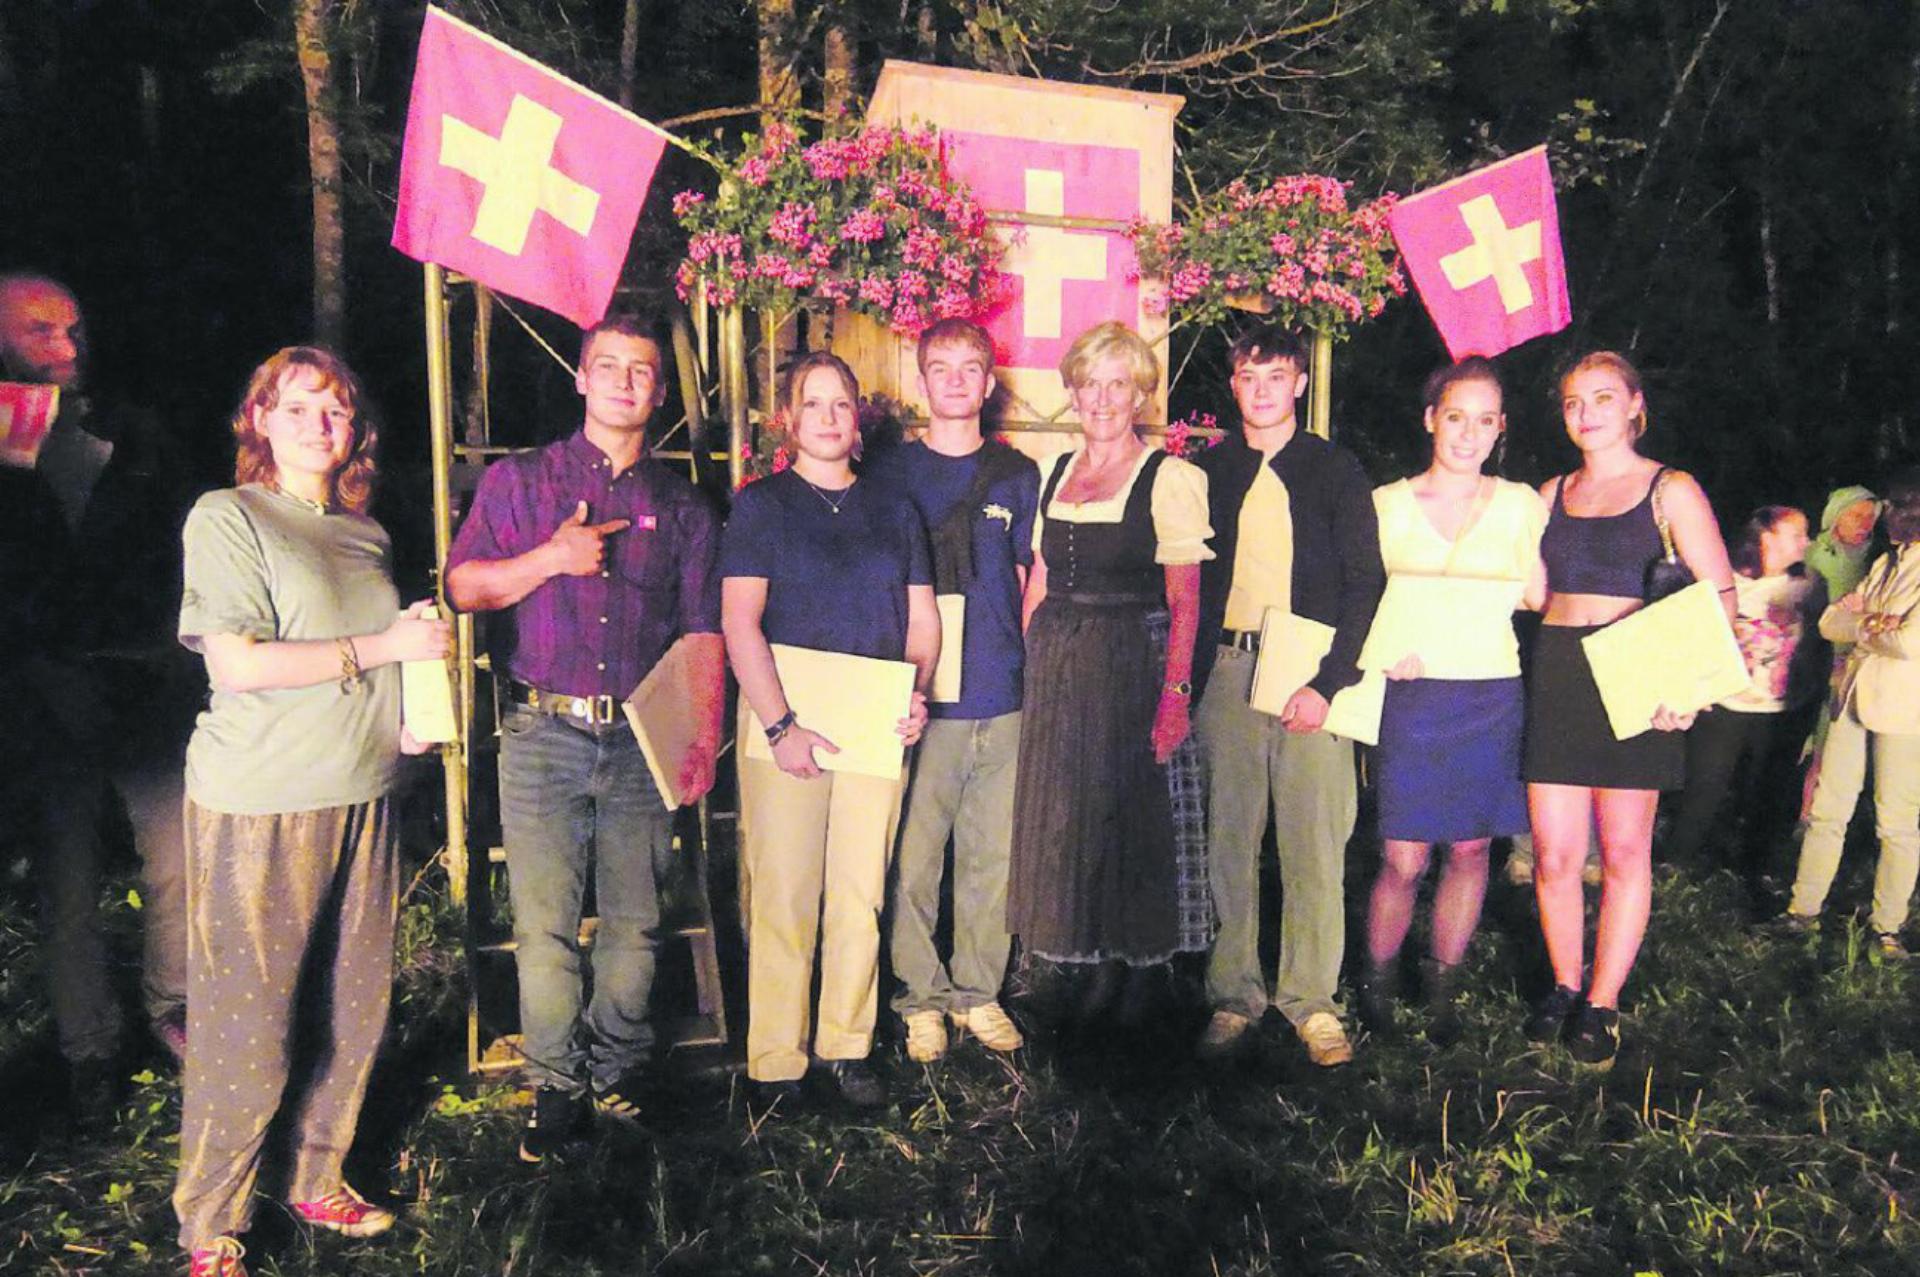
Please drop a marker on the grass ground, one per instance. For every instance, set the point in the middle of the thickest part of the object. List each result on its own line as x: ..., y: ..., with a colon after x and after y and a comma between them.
x: 1760, y: 1120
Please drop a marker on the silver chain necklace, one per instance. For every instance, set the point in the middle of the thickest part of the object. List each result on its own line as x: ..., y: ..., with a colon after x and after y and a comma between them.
x: 828, y: 501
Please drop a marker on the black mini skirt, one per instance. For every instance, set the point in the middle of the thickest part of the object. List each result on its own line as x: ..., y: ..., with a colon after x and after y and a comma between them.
x: 1568, y: 739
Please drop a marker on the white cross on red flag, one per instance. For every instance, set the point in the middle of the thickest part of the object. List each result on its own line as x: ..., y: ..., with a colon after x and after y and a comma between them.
x: 516, y: 176
x: 1484, y: 251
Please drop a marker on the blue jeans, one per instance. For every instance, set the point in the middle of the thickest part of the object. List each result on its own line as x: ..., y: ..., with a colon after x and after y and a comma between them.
x: 575, y: 802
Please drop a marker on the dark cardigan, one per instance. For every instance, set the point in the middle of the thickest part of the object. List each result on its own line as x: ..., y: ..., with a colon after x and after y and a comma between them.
x: 1337, y: 574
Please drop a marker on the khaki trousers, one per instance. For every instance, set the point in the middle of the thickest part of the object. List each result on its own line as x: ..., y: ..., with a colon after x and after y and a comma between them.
x: 815, y: 864
x: 1896, y: 809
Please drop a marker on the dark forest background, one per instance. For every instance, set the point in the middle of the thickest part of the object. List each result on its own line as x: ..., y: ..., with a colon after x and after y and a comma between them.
x: 1734, y: 181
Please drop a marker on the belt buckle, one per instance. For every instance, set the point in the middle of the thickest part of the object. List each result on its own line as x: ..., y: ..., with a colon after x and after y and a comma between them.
x: 595, y: 710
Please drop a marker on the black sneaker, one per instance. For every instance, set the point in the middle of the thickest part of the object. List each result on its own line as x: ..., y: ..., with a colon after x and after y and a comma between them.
x: 558, y: 1119
x: 1550, y: 1014
x: 1593, y: 1036
x: 1375, y: 993
x: 787, y: 1095
x: 620, y: 1099
x: 856, y: 1083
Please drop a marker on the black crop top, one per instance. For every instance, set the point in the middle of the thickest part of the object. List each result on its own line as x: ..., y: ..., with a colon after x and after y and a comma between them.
x: 1601, y: 554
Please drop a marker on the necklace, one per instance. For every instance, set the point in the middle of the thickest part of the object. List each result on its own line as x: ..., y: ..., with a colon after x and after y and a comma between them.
x: 828, y: 501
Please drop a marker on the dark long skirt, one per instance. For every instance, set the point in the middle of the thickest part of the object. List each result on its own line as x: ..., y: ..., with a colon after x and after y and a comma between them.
x: 1109, y: 856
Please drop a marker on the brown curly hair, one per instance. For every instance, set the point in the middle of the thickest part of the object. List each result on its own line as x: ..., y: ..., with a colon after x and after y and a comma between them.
x: 253, y: 456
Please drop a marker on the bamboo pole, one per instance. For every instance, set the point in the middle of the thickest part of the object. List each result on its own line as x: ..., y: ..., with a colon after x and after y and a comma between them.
x: 1320, y: 386
x: 453, y: 755
x: 684, y: 362
x: 733, y: 390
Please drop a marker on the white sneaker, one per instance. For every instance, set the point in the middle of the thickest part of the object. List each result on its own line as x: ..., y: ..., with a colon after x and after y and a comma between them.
x: 1222, y: 1035
x: 990, y: 1023
x: 926, y: 1036
x: 1326, y: 1041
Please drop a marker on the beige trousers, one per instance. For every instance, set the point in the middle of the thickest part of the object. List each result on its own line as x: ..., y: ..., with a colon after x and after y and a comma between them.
x: 815, y: 864
x: 1844, y: 760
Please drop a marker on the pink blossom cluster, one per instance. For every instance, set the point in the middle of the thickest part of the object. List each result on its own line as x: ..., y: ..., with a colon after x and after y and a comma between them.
x: 871, y: 219
x: 1179, y: 440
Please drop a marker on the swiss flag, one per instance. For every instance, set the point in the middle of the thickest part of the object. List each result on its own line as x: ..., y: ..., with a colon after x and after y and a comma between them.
x: 1484, y: 251
x: 518, y: 177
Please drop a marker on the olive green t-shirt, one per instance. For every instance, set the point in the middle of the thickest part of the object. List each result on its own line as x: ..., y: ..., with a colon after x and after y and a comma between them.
x: 269, y: 567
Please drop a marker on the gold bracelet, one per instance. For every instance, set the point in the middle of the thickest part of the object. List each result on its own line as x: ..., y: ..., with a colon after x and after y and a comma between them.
x: 349, y: 665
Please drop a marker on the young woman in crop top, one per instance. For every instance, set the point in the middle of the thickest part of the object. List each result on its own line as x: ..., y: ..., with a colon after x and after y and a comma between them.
x: 1600, y: 536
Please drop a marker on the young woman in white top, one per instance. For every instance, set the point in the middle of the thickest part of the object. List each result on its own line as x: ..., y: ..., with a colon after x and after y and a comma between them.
x: 1448, y: 766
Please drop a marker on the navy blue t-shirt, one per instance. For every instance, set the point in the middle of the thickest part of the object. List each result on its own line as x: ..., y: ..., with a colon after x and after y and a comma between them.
x: 835, y: 582
x: 993, y: 654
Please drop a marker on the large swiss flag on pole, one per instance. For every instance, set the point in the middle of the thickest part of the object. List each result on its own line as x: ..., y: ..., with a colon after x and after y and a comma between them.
x: 1484, y: 251
x: 516, y: 176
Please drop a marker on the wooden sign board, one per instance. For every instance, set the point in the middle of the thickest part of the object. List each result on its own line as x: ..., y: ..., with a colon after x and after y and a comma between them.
x: 1061, y: 168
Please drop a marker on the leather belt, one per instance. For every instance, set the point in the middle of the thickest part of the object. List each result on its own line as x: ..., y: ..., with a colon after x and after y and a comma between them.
x: 1245, y: 640
x: 593, y: 711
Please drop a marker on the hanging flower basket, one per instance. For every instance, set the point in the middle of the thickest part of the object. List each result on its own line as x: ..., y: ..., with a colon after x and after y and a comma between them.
x: 872, y: 221
x: 1292, y: 249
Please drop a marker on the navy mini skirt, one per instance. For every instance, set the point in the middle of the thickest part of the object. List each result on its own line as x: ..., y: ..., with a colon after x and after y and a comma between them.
x: 1449, y: 760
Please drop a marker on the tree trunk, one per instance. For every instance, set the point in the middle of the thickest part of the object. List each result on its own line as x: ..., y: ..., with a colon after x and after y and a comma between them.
x: 313, y: 24
x: 779, y: 77
x: 837, y: 82
x: 629, y: 53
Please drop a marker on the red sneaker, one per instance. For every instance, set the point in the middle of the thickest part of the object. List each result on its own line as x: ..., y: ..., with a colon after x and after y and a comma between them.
x: 345, y: 1211
x: 218, y: 1258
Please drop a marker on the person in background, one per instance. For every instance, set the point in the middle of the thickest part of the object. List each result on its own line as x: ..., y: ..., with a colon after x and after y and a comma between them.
x: 1838, y: 556
x: 1755, y: 736
x: 292, y: 863
x: 1108, y: 877
x: 119, y: 692
x: 1294, y: 529
x: 978, y: 498
x: 1448, y: 763
x: 814, y: 557
x: 1876, y: 715
x: 602, y: 558
x: 1603, y: 531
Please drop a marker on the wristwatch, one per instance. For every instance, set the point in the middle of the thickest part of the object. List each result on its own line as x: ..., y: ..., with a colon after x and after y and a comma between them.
x: 1182, y: 688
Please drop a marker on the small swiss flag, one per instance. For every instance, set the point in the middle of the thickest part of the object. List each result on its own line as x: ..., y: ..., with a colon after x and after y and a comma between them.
x: 516, y: 176
x: 1484, y: 251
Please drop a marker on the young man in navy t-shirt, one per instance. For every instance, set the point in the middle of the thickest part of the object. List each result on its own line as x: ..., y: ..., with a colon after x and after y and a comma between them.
x: 978, y: 500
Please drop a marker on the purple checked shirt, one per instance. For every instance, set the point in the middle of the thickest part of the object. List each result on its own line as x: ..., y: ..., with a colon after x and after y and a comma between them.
x: 596, y: 635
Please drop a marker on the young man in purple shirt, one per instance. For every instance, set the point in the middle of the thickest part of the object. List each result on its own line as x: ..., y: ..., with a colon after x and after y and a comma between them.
x: 601, y: 558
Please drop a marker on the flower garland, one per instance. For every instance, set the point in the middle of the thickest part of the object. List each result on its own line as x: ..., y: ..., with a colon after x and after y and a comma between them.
x: 870, y: 220
x: 1292, y: 249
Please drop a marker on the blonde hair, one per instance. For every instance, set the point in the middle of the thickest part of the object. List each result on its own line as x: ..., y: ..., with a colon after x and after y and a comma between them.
x: 1103, y: 340
x: 1618, y: 364
x: 352, y: 483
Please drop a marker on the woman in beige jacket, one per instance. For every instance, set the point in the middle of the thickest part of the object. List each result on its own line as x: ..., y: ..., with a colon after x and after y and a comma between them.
x: 1876, y: 711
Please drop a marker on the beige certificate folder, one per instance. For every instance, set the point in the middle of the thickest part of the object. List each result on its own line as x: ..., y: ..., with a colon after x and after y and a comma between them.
x: 1679, y: 652
x: 1450, y: 622
x: 953, y: 630
x: 1291, y: 649
x: 661, y: 713
x: 426, y: 698
x: 854, y: 701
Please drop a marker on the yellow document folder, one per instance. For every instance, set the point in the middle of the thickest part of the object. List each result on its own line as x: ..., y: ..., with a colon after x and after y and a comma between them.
x: 953, y: 630
x: 854, y: 701
x: 1450, y: 622
x: 1291, y: 649
x: 426, y: 698
x: 1679, y: 652
x: 661, y: 713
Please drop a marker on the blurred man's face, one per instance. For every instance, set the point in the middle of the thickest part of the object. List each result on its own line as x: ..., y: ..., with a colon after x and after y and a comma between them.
x: 42, y: 335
